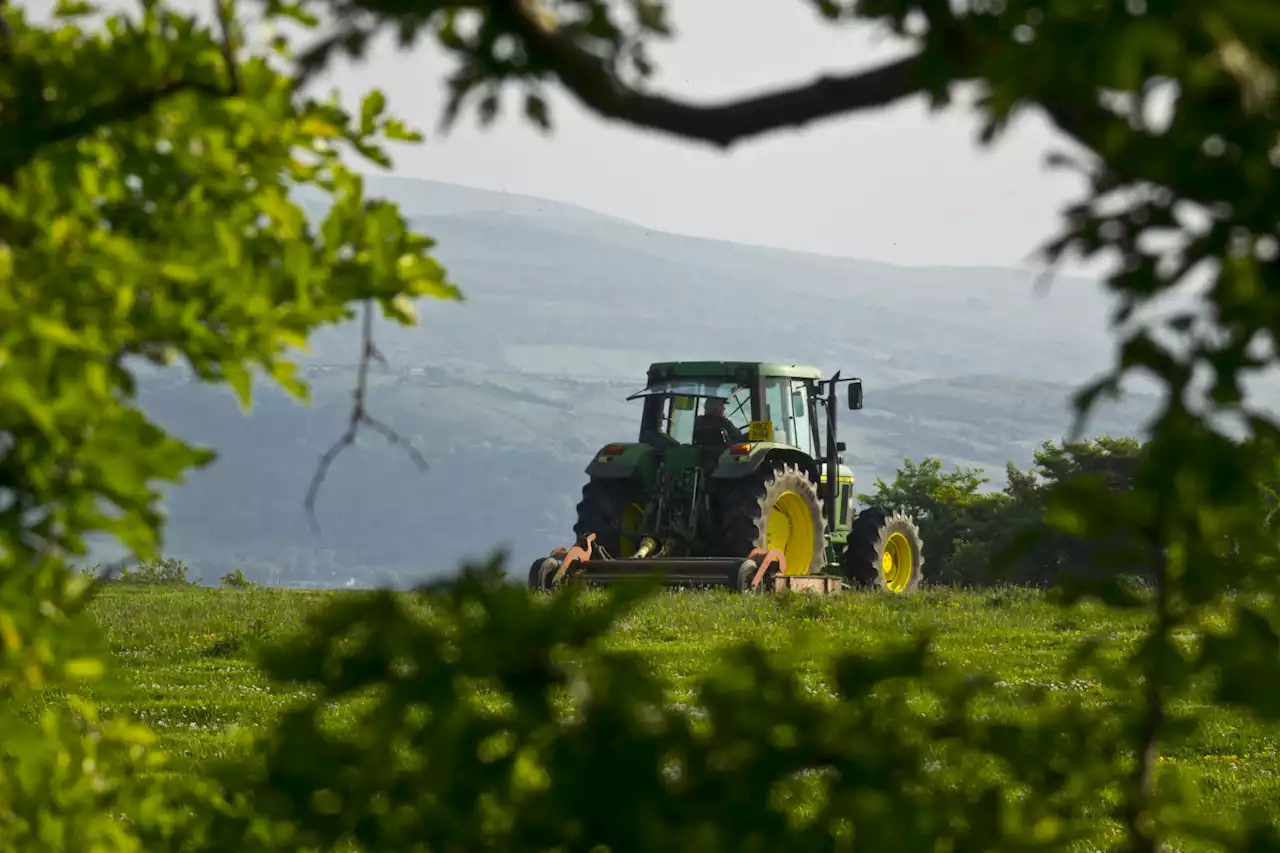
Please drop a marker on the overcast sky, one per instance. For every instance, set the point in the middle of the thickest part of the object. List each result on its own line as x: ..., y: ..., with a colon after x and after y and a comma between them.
x: 897, y: 185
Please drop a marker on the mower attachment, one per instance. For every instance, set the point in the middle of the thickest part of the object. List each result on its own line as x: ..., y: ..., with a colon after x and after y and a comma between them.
x: 759, y: 571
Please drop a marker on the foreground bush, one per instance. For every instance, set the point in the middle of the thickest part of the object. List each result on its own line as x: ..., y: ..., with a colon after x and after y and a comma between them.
x: 498, y: 721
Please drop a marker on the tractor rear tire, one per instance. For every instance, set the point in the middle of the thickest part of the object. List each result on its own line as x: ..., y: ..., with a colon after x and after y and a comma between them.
x: 885, y: 551
x: 785, y: 499
x: 605, y: 506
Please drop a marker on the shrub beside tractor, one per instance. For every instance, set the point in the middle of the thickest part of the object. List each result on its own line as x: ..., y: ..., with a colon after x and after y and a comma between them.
x: 735, y: 480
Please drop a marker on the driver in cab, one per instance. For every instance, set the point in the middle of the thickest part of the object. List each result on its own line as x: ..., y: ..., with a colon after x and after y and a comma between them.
x: 706, y: 428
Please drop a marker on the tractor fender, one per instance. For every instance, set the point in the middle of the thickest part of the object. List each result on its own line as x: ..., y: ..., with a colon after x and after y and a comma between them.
x: 731, y: 466
x: 617, y: 461
x: 844, y: 474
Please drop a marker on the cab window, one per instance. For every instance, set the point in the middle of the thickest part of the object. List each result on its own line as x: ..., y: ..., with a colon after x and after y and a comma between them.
x: 802, y: 426
x: 777, y: 409
x: 681, y: 411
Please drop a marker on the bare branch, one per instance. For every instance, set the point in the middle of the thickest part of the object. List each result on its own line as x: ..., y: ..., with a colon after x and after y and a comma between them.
x: 1079, y: 121
x: 359, y: 415
x: 594, y: 83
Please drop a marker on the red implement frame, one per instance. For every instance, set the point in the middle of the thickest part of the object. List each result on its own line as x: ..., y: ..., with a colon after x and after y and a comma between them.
x: 581, y: 553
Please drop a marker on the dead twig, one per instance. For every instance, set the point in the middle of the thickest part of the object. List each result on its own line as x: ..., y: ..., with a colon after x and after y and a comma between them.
x: 359, y: 416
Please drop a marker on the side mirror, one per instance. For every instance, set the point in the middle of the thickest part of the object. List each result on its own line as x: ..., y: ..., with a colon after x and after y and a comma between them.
x: 855, y: 394
x: 840, y: 447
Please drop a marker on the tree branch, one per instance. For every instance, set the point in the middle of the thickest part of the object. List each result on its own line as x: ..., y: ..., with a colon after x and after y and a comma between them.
x: 1077, y: 120
x: 6, y: 32
x: 594, y: 83
x: 222, y: 10
x: 359, y: 415
x: 1143, y: 834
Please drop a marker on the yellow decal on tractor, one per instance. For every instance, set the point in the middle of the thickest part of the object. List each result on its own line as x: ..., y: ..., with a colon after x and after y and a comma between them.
x: 683, y: 403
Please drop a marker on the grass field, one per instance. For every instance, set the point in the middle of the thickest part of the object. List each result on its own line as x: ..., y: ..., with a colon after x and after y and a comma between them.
x: 184, y: 659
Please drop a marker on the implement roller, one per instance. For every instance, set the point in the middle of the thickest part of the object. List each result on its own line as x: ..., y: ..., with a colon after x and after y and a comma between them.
x: 736, y: 496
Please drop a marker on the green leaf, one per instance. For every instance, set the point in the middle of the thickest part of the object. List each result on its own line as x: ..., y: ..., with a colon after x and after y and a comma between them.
x: 184, y: 273
x: 396, y: 130
x: 241, y: 381
x: 371, y: 109
x: 70, y: 9
x: 56, y: 331
x: 535, y: 109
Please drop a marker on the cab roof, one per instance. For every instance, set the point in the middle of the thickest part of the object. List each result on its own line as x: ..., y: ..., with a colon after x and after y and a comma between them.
x: 729, y: 370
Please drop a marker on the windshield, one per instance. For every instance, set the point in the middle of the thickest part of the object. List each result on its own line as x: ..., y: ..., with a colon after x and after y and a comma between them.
x: 685, y: 399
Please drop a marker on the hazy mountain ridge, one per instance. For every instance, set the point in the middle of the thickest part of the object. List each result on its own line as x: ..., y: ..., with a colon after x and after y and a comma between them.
x: 611, y: 285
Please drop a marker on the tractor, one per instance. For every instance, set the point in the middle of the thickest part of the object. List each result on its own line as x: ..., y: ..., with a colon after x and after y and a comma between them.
x: 735, y: 480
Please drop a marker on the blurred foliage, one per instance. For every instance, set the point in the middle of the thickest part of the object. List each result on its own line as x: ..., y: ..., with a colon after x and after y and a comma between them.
x: 145, y: 214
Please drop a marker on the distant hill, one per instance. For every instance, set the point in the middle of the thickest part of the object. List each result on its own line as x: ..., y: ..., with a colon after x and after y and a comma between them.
x: 509, y: 392
x: 419, y: 197
x: 602, y: 297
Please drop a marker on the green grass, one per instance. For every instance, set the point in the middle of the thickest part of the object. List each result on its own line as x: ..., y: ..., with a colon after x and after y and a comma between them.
x: 183, y: 659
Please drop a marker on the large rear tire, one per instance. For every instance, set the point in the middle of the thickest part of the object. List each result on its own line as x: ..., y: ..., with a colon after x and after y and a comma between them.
x: 776, y: 508
x: 612, y: 510
x: 885, y: 551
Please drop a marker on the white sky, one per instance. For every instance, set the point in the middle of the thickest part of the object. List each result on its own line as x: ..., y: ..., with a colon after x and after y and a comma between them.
x: 899, y: 185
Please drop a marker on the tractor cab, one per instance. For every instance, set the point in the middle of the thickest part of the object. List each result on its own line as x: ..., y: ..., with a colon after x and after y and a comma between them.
x: 761, y: 402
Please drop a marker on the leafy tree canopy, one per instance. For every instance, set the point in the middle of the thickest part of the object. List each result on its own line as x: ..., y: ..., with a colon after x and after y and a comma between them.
x: 146, y: 213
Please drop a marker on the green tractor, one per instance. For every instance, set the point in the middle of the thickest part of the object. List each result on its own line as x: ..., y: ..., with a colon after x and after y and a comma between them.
x: 731, y: 483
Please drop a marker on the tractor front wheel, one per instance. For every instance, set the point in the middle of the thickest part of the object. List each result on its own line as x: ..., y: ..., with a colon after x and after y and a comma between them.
x: 885, y: 551
x: 614, y: 511
x: 541, y: 572
x: 776, y: 508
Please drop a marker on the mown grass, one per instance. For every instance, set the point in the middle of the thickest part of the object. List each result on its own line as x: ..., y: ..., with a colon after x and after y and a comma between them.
x: 184, y: 663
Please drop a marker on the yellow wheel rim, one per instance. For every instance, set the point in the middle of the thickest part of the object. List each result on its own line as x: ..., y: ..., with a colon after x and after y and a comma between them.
x: 629, y: 529
x: 790, y: 528
x: 896, y: 563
